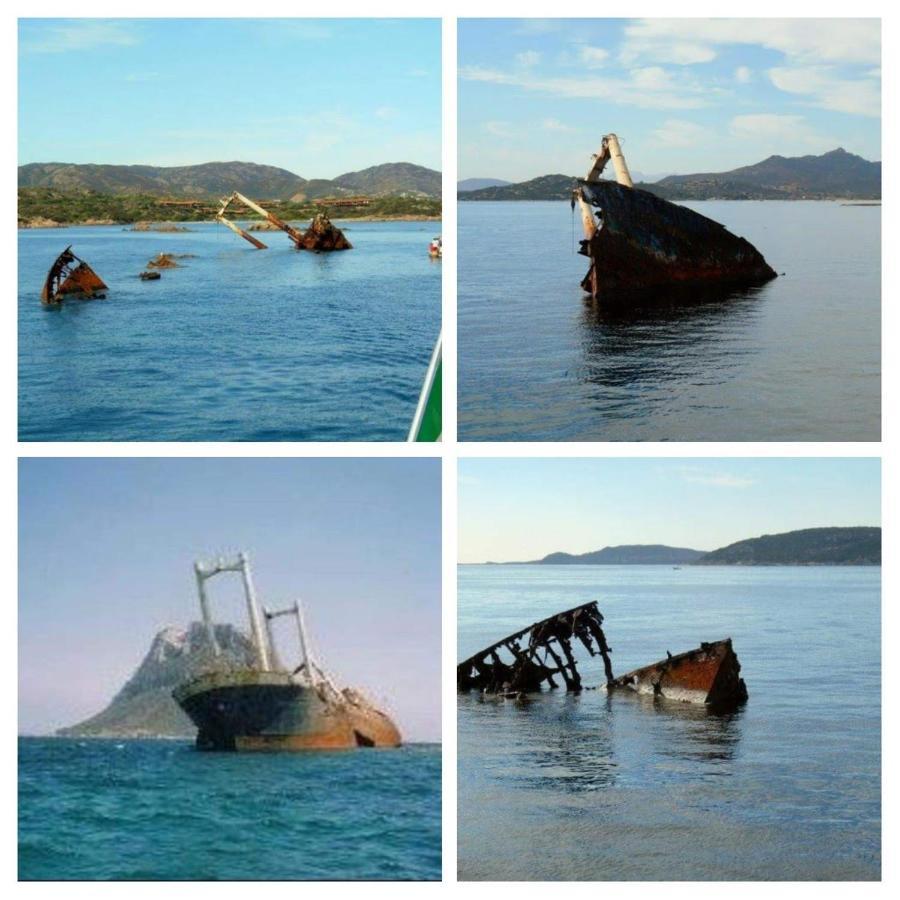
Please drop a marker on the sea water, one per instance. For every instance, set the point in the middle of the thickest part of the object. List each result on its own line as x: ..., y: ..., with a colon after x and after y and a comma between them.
x: 597, y: 786
x: 235, y: 345
x: 796, y: 359
x: 161, y: 810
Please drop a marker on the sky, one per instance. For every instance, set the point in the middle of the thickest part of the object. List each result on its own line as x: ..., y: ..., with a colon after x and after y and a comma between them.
x: 106, y: 549
x: 683, y: 95
x: 523, y: 509
x: 319, y: 97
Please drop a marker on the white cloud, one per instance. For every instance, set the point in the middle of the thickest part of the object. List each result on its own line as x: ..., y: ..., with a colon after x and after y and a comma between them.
x: 823, y: 87
x: 681, y: 133
x: 386, y: 112
x: 742, y: 75
x: 594, y: 57
x: 528, y: 58
x: 80, y: 35
x: 498, y: 129
x: 801, y: 40
x: 649, y: 88
x: 555, y: 125
x: 783, y: 134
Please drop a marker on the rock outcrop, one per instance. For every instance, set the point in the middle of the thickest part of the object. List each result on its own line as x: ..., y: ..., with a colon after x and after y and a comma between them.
x: 144, y: 706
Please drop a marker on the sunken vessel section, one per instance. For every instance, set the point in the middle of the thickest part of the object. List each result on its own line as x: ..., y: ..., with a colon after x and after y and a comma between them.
x: 268, y: 706
x: 70, y: 276
x: 637, y: 241
x: 542, y: 655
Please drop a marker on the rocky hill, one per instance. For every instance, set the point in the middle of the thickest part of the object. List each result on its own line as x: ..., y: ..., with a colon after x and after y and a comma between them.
x: 216, y: 179
x: 144, y: 706
x: 836, y: 174
x: 809, y: 546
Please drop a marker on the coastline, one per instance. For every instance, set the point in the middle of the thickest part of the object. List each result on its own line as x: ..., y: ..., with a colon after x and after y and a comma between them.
x: 130, y: 226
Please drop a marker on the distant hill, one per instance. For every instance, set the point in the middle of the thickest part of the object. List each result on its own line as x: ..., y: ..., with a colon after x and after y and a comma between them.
x: 809, y: 546
x: 625, y: 555
x: 216, y: 179
x: 144, y: 706
x: 474, y: 184
x: 547, y: 187
x: 836, y: 174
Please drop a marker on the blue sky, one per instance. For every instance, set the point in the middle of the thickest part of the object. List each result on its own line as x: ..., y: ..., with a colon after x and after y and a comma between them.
x: 684, y: 95
x: 520, y: 509
x: 106, y: 548
x: 319, y: 97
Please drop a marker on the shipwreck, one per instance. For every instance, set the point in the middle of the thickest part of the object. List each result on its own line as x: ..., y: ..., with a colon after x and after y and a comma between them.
x: 70, y: 276
x: 539, y: 654
x: 320, y: 236
x: 637, y: 241
x: 268, y: 706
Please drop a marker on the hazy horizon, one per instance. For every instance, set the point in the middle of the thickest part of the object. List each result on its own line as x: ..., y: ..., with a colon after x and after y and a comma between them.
x: 106, y: 548
x: 515, y: 510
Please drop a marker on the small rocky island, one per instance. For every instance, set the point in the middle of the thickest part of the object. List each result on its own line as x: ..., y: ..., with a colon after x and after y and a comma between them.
x: 144, y: 707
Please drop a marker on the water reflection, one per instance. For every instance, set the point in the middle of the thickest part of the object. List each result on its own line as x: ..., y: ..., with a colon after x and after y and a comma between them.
x: 568, y: 742
x: 692, y: 732
x: 679, y: 334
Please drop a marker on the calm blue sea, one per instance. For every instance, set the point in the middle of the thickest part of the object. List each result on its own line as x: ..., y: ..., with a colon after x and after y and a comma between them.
x: 622, y: 787
x: 153, y: 810
x: 238, y: 345
x: 798, y: 359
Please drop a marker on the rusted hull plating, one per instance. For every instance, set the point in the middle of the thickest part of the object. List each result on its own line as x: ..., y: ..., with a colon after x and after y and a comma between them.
x: 508, y: 667
x: 70, y: 276
x: 250, y: 710
x: 323, y: 236
x: 645, y: 242
x: 709, y: 675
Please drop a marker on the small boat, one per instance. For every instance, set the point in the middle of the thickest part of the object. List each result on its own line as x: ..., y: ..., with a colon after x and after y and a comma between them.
x: 640, y: 242
x: 150, y: 276
x: 70, y: 276
x: 436, y: 248
x: 708, y: 675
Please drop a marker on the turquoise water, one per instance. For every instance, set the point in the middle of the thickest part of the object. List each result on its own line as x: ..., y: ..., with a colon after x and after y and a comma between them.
x: 797, y: 359
x: 610, y: 787
x: 237, y: 345
x: 158, y: 810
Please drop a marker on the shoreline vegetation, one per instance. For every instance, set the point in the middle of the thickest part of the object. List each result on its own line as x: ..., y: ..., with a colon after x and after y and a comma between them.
x: 52, y: 208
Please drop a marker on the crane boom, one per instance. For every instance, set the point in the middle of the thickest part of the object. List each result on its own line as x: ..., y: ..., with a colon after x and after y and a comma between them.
x: 236, y: 197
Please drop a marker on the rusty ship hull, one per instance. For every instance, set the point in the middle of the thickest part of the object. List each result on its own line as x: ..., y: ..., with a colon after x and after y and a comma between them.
x: 253, y: 710
x: 70, y: 276
x: 645, y: 243
x: 708, y: 675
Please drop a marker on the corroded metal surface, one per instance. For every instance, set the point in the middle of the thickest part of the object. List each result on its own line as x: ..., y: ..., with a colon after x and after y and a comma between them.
x: 70, y: 276
x: 710, y: 674
x: 644, y: 242
x: 323, y: 236
x: 509, y: 667
x: 251, y: 709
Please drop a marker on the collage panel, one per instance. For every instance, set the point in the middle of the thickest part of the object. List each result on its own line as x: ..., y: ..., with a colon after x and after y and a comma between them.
x: 229, y: 669
x: 669, y: 669
x: 229, y: 253
x: 691, y: 222
x: 632, y: 663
